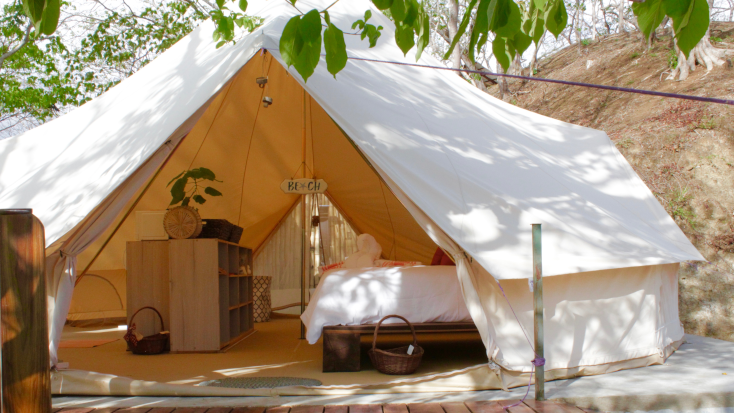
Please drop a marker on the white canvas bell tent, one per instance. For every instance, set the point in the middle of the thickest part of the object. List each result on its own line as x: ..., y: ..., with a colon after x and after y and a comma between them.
x: 414, y: 156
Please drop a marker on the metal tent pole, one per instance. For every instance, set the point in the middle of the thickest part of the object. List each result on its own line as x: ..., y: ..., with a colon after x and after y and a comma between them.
x: 538, y: 307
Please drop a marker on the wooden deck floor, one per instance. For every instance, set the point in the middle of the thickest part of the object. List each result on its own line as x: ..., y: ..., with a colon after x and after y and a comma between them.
x: 529, y: 406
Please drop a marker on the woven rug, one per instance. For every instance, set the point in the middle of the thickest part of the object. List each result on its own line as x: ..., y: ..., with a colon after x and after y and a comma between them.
x: 260, y: 382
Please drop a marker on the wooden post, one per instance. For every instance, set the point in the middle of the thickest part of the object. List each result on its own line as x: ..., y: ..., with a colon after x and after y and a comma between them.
x: 304, y: 252
x: 538, y: 307
x: 26, y: 376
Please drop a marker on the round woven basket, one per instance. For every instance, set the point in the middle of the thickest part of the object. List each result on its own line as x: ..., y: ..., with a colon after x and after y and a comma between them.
x: 396, y: 360
x: 182, y: 222
x: 155, y: 344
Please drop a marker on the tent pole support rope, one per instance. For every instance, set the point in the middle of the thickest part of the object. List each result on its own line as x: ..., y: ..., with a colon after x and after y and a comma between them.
x: 127, y: 214
x: 538, y: 314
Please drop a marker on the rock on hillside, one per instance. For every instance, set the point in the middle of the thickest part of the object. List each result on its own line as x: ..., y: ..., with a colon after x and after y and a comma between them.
x: 682, y: 149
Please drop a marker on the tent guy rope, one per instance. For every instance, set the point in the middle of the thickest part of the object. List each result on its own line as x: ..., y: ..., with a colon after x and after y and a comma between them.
x: 557, y: 81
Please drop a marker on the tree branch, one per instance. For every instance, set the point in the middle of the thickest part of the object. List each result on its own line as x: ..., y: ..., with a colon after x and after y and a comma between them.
x: 26, y: 40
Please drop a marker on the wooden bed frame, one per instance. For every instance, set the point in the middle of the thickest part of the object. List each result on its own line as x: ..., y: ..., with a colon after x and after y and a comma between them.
x: 341, y: 343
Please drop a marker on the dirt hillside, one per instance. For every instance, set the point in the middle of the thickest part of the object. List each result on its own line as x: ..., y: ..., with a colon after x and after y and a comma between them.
x: 682, y: 149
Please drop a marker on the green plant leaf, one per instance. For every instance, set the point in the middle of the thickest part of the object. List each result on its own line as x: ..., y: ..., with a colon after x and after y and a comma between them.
x: 211, y: 191
x: 185, y: 201
x: 521, y: 41
x: 243, y: 5
x: 288, y: 41
x: 649, y: 15
x: 382, y: 4
x: 691, y: 26
x: 199, y: 199
x: 220, y: 3
x: 462, y: 29
x: 499, y: 48
x: 555, y: 17
x: 404, y: 37
x: 174, y: 178
x: 178, y: 190
x: 423, y: 30
x: 207, y: 174
x: 507, y: 19
x: 309, y: 31
x: 336, y: 49
x: 398, y: 11
x: 50, y: 18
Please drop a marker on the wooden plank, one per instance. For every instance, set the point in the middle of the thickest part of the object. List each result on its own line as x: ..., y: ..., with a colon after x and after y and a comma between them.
x: 521, y: 408
x: 365, y: 408
x: 307, y: 409
x: 402, y: 328
x: 338, y: 409
x: 425, y: 408
x: 485, y: 407
x: 145, y: 409
x: 278, y: 409
x: 26, y: 378
x: 551, y: 407
x: 248, y: 409
x: 455, y: 407
x: 161, y: 410
x: 340, y: 352
x: 190, y: 410
x: 193, y: 268
x: 395, y: 408
x: 147, y: 284
x: 77, y: 410
x: 221, y: 410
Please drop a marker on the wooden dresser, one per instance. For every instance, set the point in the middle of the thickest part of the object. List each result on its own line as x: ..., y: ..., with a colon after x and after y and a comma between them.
x: 202, y: 287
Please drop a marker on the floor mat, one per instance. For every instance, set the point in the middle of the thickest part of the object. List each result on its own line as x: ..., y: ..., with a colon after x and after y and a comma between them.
x: 260, y: 382
x: 84, y: 343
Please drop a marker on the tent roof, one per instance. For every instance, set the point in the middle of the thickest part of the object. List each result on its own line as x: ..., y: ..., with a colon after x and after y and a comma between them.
x: 481, y: 169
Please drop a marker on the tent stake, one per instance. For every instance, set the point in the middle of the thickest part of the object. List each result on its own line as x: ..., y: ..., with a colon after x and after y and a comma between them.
x: 538, y: 306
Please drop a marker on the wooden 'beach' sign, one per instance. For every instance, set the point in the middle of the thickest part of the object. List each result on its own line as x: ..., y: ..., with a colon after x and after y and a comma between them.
x: 303, y: 186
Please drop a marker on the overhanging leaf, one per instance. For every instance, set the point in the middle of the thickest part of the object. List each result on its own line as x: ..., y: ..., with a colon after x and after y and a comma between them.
x: 691, y: 26
x: 50, y: 18
x: 199, y: 199
x: 336, y: 49
x: 243, y: 5
x: 404, y: 37
x: 649, y: 15
x: 287, y: 45
x: 500, y: 52
x: 205, y: 173
x: 309, y: 31
x: 382, y: 4
x: 462, y: 28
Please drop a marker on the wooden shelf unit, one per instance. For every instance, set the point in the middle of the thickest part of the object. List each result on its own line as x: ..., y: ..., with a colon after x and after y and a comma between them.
x: 210, y: 302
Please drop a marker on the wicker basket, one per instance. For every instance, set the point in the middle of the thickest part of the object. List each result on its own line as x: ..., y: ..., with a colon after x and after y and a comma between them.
x: 216, y: 228
x: 155, y: 344
x: 236, y: 234
x: 396, y: 360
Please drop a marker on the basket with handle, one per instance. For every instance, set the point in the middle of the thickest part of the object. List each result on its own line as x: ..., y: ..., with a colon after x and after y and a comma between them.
x: 154, y: 344
x: 396, y: 360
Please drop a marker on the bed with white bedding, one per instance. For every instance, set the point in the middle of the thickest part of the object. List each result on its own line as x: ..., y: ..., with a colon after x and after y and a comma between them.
x: 357, y: 296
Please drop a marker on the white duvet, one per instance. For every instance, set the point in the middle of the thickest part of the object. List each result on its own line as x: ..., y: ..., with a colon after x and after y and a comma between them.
x: 422, y: 294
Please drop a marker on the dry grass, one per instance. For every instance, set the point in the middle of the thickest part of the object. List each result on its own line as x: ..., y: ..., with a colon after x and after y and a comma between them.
x: 683, y: 150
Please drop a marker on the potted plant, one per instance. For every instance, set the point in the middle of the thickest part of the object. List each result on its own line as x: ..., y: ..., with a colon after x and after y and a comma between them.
x: 184, y: 221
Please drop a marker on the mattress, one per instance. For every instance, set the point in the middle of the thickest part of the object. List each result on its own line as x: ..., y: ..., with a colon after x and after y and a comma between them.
x: 422, y: 294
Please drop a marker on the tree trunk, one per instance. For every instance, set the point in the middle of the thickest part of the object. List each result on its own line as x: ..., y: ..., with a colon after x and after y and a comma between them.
x: 579, y: 16
x: 704, y: 53
x: 534, y: 60
x: 593, y: 20
x: 453, y: 29
x: 620, y: 13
